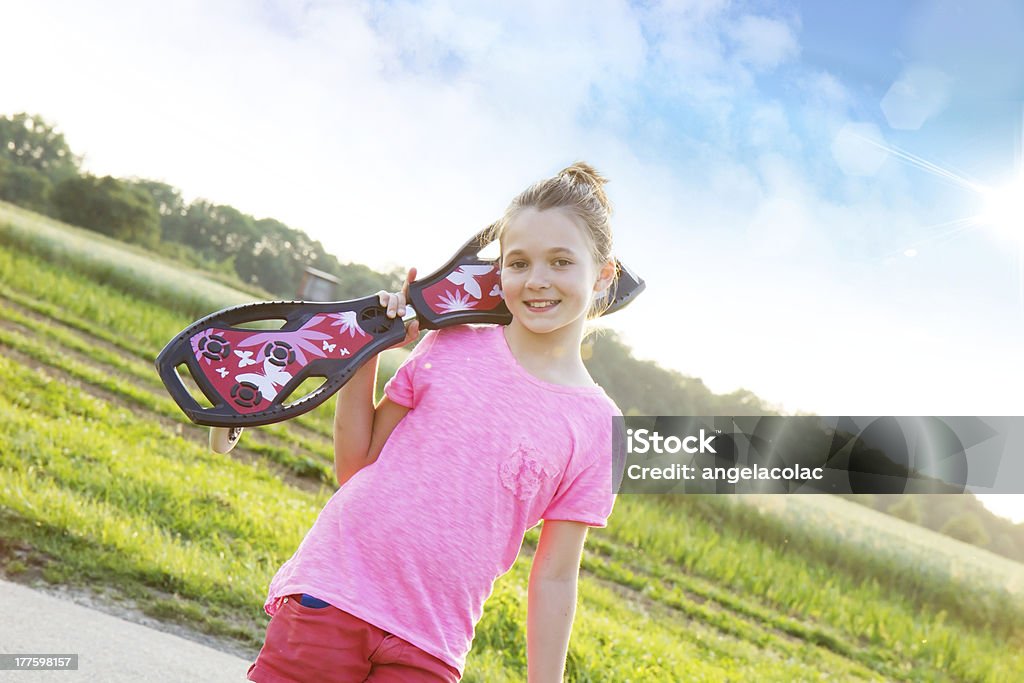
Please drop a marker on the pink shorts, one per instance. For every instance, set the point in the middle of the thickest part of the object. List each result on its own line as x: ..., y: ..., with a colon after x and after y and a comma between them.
x: 327, y: 644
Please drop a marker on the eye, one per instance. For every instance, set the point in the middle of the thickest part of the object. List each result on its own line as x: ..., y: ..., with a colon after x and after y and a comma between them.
x: 563, y: 262
x: 516, y: 264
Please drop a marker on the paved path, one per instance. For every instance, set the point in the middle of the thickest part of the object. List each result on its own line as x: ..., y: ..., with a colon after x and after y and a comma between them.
x: 109, y: 649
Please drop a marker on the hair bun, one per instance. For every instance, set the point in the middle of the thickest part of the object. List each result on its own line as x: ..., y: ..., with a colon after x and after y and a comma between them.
x: 584, y: 174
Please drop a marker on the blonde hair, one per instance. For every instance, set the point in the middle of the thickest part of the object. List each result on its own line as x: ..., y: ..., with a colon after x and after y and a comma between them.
x: 580, y: 189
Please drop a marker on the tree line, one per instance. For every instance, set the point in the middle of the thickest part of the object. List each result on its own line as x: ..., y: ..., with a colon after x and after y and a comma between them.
x: 962, y: 517
x: 39, y: 171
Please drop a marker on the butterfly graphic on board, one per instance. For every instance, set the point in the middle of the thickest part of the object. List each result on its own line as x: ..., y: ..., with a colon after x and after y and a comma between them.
x: 466, y: 277
x: 268, y: 382
x: 245, y: 358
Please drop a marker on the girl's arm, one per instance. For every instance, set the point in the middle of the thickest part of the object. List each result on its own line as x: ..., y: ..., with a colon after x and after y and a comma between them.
x: 360, y: 428
x: 551, y: 602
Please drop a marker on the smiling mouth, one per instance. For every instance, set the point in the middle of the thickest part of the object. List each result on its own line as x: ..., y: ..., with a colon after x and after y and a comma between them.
x: 541, y: 305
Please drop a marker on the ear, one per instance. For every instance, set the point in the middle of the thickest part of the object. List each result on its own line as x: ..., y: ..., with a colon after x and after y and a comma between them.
x: 605, y: 276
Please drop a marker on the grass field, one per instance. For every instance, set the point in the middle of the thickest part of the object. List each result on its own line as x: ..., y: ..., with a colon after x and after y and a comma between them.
x: 104, y: 485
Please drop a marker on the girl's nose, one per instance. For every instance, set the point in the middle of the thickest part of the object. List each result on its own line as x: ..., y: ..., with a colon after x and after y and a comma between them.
x: 538, y: 280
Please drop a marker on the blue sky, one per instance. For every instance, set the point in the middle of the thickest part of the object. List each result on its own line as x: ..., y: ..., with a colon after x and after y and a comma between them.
x: 785, y: 249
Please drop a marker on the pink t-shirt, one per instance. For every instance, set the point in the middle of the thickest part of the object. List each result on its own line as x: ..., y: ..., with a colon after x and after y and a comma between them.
x: 413, y: 543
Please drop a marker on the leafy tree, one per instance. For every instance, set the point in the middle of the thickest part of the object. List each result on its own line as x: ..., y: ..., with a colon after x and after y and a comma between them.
x: 216, y: 231
x: 109, y: 206
x: 645, y: 388
x: 358, y: 280
x: 966, y: 527
x: 1004, y: 545
x: 277, y: 256
x: 739, y: 402
x: 32, y: 142
x: 167, y: 199
x: 907, y: 508
x: 24, y: 186
x: 274, y: 257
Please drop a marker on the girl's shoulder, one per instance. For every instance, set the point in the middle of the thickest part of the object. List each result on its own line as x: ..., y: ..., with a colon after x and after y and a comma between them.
x: 456, y: 343
x: 462, y: 334
x: 487, y: 344
x: 604, y: 406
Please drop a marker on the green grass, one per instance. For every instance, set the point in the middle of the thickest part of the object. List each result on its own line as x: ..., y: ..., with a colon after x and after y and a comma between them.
x: 99, y: 487
x: 121, y: 265
x: 113, y: 498
x: 308, y: 459
x: 945, y: 609
x: 127, y: 321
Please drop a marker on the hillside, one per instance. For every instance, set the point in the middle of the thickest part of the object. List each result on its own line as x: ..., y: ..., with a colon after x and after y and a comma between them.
x: 265, y: 258
x: 106, y: 486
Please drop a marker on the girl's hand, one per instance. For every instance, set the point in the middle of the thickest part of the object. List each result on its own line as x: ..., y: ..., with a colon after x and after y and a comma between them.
x: 395, y: 305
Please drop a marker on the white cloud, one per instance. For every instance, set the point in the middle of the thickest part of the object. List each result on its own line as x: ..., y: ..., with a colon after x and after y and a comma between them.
x: 763, y: 42
x: 769, y: 128
x: 391, y: 131
x: 859, y: 149
x: 705, y: 54
x: 350, y: 98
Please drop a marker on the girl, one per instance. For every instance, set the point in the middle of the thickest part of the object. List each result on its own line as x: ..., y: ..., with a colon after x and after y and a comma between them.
x: 483, y: 432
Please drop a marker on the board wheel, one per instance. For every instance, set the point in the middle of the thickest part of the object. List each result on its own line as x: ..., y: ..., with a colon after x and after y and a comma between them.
x: 223, y: 439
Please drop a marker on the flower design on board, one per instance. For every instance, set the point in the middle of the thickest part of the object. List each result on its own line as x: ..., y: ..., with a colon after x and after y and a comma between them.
x: 455, y: 301
x: 466, y: 277
x: 304, y: 340
x: 348, y: 322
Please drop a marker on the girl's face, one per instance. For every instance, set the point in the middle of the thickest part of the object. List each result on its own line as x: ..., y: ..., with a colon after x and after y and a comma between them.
x: 548, y: 275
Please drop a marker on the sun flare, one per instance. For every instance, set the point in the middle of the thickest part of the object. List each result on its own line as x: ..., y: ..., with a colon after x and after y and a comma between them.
x: 1004, y: 208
